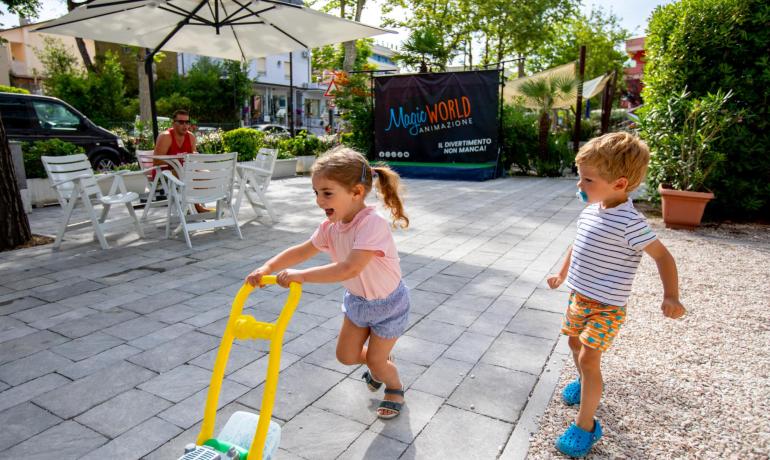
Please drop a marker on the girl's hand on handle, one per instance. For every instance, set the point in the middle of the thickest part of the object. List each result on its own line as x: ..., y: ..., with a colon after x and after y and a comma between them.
x: 255, y: 277
x: 554, y: 281
x: 285, y: 277
x: 672, y: 308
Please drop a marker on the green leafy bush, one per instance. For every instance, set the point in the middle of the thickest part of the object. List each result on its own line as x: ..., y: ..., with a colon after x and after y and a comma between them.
x: 32, y: 151
x: 13, y: 89
x: 127, y: 167
x: 559, y: 157
x: 705, y: 46
x: 682, y: 137
x: 302, y: 144
x: 245, y: 141
x: 520, y: 138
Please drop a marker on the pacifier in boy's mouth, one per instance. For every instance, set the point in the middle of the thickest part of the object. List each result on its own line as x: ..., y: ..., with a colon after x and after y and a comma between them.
x: 581, y: 195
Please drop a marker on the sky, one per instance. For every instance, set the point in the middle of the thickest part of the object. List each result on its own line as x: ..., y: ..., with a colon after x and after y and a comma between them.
x: 634, y: 15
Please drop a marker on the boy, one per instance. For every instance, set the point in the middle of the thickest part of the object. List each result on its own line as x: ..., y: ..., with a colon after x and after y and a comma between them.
x: 599, y: 269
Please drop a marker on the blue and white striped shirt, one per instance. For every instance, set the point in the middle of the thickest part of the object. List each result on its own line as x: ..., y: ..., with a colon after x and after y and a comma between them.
x: 607, y: 250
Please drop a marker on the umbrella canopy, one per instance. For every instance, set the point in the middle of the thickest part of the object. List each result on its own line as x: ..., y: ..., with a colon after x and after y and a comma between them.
x: 229, y: 29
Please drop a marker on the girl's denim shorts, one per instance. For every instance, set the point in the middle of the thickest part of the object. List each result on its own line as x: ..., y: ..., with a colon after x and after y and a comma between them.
x: 386, y: 317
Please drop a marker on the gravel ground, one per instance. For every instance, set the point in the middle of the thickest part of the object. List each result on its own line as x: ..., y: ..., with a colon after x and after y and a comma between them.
x: 698, y: 387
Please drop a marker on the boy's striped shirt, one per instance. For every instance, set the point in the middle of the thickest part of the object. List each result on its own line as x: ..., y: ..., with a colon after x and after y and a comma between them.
x: 607, y: 250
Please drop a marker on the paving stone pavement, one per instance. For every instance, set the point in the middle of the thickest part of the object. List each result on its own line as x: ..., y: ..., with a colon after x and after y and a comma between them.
x: 107, y: 354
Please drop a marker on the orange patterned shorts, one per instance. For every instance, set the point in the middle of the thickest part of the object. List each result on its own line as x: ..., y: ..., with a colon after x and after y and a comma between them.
x: 595, y: 323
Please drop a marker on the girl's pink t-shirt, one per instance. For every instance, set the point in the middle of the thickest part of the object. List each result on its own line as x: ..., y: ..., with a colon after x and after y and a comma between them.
x: 367, y: 231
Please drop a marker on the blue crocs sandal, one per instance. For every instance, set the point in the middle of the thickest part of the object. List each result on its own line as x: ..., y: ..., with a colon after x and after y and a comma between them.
x: 571, y: 393
x: 576, y: 442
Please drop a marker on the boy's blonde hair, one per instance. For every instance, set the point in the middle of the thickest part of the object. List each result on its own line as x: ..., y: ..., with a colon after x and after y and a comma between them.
x: 349, y: 168
x: 616, y: 155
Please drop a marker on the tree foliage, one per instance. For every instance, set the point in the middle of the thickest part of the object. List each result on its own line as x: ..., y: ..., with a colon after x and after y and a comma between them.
x: 213, y: 91
x: 600, y: 32
x: 517, y: 28
x: 26, y: 8
x: 445, y: 23
x: 331, y: 57
x: 703, y: 46
x: 424, y: 50
x: 544, y: 92
x: 99, y: 94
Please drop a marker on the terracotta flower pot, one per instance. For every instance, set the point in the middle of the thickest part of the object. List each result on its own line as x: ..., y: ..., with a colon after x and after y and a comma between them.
x: 681, y: 209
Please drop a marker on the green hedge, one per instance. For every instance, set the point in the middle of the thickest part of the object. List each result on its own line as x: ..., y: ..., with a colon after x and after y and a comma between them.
x: 707, y: 45
x: 13, y: 89
x: 245, y: 141
x: 32, y: 151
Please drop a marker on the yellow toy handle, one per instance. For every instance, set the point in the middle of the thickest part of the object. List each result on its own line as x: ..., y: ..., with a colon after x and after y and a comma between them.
x: 243, y: 327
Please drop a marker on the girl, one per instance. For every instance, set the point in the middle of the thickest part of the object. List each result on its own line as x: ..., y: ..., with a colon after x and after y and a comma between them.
x: 365, y: 261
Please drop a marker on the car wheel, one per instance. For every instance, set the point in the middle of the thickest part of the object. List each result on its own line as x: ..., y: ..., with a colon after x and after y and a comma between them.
x: 104, y: 161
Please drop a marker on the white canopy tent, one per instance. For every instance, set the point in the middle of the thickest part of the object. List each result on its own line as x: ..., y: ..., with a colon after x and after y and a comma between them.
x: 229, y: 29
x: 591, y: 88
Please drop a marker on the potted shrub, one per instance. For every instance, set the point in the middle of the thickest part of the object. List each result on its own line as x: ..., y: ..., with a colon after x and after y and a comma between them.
x: 286, y: 162
x: 305, y: 147
x: 245, y: 141
x: 211, y: 142
x: 681, y: 135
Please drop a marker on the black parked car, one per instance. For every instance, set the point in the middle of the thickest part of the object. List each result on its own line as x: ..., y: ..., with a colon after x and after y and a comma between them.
x: 29, y: 118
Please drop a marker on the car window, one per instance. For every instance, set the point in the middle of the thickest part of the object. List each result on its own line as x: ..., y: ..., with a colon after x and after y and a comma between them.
x: 55, y: 116
x: 15, y: 113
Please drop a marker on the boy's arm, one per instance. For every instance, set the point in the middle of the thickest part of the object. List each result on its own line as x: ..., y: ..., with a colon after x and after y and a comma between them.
x: 555, y: 281
x: 668, y: 275
x: 330, y: 273
x: 287, y: 258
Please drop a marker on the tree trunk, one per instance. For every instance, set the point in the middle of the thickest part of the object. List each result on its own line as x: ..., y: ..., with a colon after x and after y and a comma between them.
x: 521, y: 65
x: 145, y: 111
x: 15, y: 231
x: 349, y: 61
x: 81, y: 43
x: 470, y: 52
x: 545, y: 125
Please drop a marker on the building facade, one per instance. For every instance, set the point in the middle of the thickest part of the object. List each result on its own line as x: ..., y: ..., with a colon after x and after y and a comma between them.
x: 273, y: 78
x: 21, y: 61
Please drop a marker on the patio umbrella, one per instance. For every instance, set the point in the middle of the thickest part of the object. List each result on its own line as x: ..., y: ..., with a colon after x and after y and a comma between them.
x: 229, y: 29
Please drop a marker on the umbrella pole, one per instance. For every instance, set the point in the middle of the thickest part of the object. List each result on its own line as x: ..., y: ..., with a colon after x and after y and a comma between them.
x: 291, y: 93
x: 153, y: 107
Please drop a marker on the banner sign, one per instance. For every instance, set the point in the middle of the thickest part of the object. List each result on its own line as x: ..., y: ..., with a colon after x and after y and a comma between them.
x: 437, y: 118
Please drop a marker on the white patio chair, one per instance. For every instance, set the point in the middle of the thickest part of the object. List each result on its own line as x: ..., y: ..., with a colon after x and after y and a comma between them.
x: 74, y: 181
x: 206, y: 179
x: 253, y: 180
x: 155, y: 178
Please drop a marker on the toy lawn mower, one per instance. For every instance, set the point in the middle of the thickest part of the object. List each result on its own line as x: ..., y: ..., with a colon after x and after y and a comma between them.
x: 245, y: 436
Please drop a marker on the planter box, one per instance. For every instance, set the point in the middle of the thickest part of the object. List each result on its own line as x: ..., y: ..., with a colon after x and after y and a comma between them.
x: 285, y: 168
x: 41, y: 193
x: 681, y: 209
x: 304, y: 163
x: 134, y: 183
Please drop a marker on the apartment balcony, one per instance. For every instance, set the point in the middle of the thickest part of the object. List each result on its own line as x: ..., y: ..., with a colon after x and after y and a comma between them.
x: 20, y: 69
